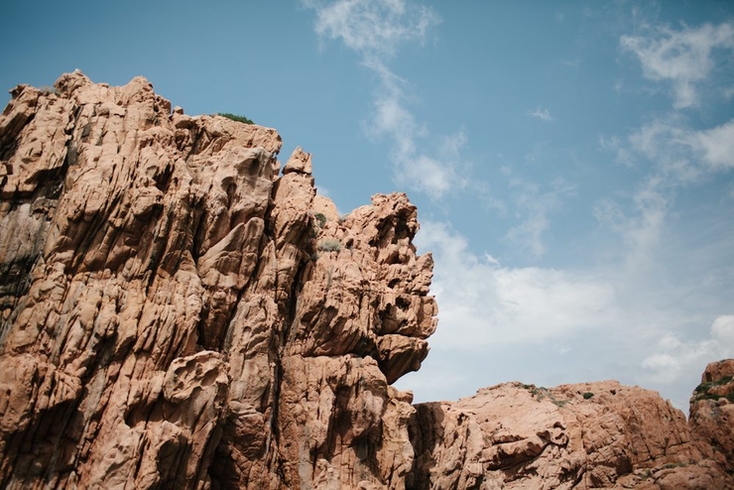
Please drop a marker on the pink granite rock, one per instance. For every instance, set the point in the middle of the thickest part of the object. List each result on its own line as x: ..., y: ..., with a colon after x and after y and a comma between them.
x: 165, y: 299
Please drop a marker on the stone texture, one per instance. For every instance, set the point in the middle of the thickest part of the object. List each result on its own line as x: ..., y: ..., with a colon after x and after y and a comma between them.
x: 712, y: 413
x: 590, y: 435
x: 169, y: 317
x: 175, y: 312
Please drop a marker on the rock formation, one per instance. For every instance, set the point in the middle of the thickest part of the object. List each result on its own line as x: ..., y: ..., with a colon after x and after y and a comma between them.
x: 579, y: 436
x: 177, y: 312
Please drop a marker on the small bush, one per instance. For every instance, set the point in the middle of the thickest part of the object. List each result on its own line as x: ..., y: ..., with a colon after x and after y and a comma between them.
x: 702, y: 391
x: 320, y: 218
x: 542, y: 393
x: 330, y: 245
x: 588, y: 395
x: 539, y: 392
x: 237, y: 118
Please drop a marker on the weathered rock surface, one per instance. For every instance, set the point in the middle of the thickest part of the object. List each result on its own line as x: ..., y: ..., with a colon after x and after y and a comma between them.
x: 590, y: 435
x: 176, y: 312
x: 712, y: 413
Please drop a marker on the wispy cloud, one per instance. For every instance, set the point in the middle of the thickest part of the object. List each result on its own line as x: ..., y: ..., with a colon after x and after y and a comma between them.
x: 682, y: 57
x: 672, y: 357
x: 542, y: 114
x: 374, y: 29
x: 435, y: 174
x: 674, y: 157
x: 534, y: 204
x: 683, y: 154
x: 484, y: 303
x: 641, y: 228
x: 716, y: 146
x: 616, y: 145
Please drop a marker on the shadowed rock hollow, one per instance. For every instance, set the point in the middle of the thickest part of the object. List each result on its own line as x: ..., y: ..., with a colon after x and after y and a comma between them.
x: 177, y: 312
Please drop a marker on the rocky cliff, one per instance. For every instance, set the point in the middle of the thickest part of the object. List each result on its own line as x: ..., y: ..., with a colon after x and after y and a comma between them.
x: 177, y: 311
x: 589, y: 435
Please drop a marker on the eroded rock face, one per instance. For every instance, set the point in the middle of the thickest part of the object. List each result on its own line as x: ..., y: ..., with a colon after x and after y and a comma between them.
x: 712, y: 412
x: 176, y: 313
x: 590, y: 435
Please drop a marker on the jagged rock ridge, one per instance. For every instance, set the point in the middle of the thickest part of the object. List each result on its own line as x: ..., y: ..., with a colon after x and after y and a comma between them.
x: 579, y: 436
x: 177, y: 312
x: 174, y: 314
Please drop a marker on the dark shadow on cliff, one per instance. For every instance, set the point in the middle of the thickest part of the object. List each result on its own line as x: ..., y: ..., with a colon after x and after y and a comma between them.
x: 425, y: 429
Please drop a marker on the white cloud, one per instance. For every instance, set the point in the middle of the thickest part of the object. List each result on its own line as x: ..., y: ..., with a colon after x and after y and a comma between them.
x: 484, y: 304
x: 682, y: 57
x: 683, y: 155
x: 429, y: 175
x: 491, y: 260
x: 374, y: 29
x: 541, y: 114
x: 717, y: 146
x: 673, y: 357
x: 723, y: 330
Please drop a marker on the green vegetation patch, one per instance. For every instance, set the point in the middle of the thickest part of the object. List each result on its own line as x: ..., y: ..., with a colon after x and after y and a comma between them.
x: 330, y: 245
x: 702, y: 391
x: 542, y: 392
x: 320, y: 218
x: 237, y: 118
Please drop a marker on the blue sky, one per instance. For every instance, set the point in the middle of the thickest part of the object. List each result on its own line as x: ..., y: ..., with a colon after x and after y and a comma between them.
x: 572, y: 162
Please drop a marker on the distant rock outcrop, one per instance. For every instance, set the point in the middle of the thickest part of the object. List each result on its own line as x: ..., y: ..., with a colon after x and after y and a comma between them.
x: 176, y: 312
x: 589, y: 435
